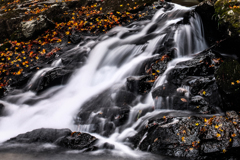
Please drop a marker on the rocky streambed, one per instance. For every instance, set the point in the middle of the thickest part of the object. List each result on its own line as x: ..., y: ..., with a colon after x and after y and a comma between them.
x: 168, y: 103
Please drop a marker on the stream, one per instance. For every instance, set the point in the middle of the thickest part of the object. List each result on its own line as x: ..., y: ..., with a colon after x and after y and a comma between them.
x: 112, y: 58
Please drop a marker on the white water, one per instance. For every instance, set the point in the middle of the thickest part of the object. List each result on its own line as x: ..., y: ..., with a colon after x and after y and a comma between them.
x: 110, y: 62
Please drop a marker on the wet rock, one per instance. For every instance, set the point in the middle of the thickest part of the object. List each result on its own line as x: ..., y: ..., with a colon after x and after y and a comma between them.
x: 232, y: 115
x: 228, y: 80
x: 210, y: 23
x: 123, y: 97
x: 43, y: 135
x: 199, y: 104
x: 108, y: 146
x: 194, y: 137
x: 2, y: 108
x: 61, y: 137
x: 139, y: 84
x: 57, y: 76
x: 106, y: 111
x: 211, y: 147
x: 164, y: 90
x: 78, y: 140
x: 76, y: 38
x: 191, y: 85
x: 33, y: 27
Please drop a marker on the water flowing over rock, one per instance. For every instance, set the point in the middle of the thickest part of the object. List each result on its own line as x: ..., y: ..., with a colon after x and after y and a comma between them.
x: 150, y: 85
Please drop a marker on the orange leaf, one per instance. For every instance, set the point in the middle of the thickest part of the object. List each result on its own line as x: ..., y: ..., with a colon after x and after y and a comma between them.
x: 183, y: 99
x: 151, y: 81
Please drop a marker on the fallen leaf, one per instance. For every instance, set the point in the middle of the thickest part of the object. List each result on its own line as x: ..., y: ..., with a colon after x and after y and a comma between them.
x: 183, y: 99
x: 183, y: 139
x: 204, y: 92
x: 151, y: 81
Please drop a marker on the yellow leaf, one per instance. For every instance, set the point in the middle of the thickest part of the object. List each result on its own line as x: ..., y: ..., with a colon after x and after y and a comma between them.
x: 224, y: 151
x: 238, y: 81
x: 196, y: 124
x: 232, y: 83
x: 204, y: 92
x: 158, y: 71
x: 183, y: 139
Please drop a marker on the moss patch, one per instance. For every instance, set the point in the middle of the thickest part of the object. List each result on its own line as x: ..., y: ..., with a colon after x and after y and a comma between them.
x: 228, y: 13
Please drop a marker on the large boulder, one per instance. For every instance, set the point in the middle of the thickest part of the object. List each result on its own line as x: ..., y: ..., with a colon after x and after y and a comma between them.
x: 43, y: 135
x: 33, y: 27
x: 191, y: 85
x: 61, y: 137
x: 193, y: 137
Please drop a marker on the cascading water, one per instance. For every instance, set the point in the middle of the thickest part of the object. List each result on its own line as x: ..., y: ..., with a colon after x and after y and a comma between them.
x: 111, y: 59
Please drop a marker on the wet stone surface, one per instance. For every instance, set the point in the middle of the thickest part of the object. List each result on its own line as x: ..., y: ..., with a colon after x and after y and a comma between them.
x: 191, y: 136
x: 191, y: 85
x: 61, y: 137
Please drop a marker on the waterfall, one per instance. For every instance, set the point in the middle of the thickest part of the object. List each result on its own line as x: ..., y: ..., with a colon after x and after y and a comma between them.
x: 111, y: 59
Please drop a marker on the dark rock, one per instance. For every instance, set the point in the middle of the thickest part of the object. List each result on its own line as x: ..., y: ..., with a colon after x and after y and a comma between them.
x: 108, y: 146
x: 33, y: 27
x: 164, y: 90
x: 122, y: 97
x: 191, y: 85
x: 193, y: 137
x: 211, y: 147
x: 75, y: 39
x: 77, y: 140
x: 228, y: 80
x: 56, y: 76
x: 210, y: 23
x: 2, y: 108
x: 106, y: 111
x: 61, y: 137
x: 43, y: 135
x: 139, y: 84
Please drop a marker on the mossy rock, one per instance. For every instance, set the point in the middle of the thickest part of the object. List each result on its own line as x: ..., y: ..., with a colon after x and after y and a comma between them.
x: 228, y: 13
x: 228, y: 80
